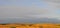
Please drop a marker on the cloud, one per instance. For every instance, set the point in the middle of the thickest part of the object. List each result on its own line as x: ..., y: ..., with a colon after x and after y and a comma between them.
x: 7, y: 2
x: 26, y: 12
x: 53, y: 3
x: 11, y: 11
x: 30, y: 11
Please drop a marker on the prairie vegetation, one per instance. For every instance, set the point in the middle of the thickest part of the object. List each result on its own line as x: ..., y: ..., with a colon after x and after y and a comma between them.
x: 29, y: 25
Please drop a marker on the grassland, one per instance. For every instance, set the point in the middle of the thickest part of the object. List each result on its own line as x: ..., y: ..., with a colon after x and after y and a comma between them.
x: 29, y: 25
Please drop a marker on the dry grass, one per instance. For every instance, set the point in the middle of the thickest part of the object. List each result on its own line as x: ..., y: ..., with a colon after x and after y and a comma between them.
x: 29, y: 25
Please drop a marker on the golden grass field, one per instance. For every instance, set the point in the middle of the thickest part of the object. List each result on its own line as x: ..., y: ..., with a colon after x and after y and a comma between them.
x: 29, y: 25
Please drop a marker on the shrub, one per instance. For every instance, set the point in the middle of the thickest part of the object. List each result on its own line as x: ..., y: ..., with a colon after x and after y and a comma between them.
x: 41, y: 26
x: 3, y: 24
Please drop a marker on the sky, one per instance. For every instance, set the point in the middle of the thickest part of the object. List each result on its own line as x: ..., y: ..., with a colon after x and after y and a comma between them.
x: 30, y: 8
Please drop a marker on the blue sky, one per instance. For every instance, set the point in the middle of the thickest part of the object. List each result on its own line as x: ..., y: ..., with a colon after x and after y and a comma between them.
x: 29, y: 8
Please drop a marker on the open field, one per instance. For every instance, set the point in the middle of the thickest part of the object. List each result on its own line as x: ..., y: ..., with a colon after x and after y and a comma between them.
x: 29, y: 25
